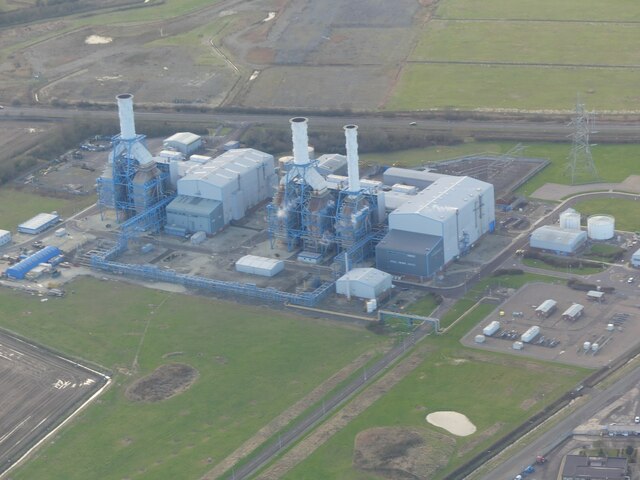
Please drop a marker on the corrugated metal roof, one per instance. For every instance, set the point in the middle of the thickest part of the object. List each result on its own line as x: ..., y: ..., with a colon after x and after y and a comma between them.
x: 554, y: 234
x: 259, y: 262
x: 546, y: 305
x: 38, y: 221
x: 185, y: 138
x: 4, y: 232
x: 444, y: 196
x: 573, y: 310
x: 370, y: 276
x: 409, y: 174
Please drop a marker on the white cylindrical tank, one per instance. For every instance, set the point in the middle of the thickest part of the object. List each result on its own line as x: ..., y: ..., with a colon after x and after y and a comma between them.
x: 570, y: 219
x: 610, y: 327
x: 479, y: 339
x: 530, y: 334
x: 586, y: 345
x: 595, y: 347
x: 492, y: 328
x: 601, y: 227
x: 125, y: 114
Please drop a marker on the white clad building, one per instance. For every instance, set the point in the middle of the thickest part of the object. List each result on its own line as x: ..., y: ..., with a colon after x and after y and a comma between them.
x: 458, y: 209
x: 184, y: 142
x: 239, y: 179
x: 367, y: 283
x: 263, y: 266
x: 5, y: 237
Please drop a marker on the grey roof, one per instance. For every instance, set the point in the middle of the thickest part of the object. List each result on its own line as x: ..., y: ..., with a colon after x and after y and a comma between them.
x: 410, y: 242
x: 391, y: 175
x: 595, y: 468
x: 332, y: 162
x: 573, y: 310
x: 595, y: 294
x: 546, y: 306
x: 185, y: 138
x: 554, y: 234
x: 193, y: 205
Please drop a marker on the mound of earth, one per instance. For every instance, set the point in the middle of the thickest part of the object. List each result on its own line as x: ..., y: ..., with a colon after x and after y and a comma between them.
x: 399, y: 453
x: 164, y: 382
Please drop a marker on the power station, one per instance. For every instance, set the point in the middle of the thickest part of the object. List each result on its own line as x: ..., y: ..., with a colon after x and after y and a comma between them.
x: 402, y: 221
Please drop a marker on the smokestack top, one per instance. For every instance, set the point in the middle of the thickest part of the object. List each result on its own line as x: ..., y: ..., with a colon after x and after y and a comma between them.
x: 299, y: 120
x: 350, y: 127
x: 124, y: 96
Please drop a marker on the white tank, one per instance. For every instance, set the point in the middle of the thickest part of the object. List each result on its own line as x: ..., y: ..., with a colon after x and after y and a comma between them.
x: 570, y: 219
x: 595, y: 347
x: 611, y: 327
x: 479, y: 339
x: 586, y: 345
x: 371, y: 305
x: 601, y: 227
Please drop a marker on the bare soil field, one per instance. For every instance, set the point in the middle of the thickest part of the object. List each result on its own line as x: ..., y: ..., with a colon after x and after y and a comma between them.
x: 164, y: 382
x: 37, y: 391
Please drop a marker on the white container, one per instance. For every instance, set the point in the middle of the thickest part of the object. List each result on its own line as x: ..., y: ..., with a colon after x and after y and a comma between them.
x: 492, y: 328
x: 570, y: 219
x: 530, y: 334
x: 601, y: 227
x: 198, y: 237
x: 610, y: 327
x: 518, y: 345
x: 372, y: 305
x: 586, y: 346
x: 595, y: 347
x: 479, y: 339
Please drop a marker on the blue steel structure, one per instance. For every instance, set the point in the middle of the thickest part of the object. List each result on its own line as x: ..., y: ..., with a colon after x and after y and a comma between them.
x: 130, y: 190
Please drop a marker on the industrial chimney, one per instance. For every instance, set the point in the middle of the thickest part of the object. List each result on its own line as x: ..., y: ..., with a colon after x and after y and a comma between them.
x: 351, y: 135
x: 300, y: 141
x: 125, y: 112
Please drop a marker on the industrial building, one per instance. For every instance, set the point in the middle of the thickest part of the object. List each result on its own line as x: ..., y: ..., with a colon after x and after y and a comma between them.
x: 254, y: 265
x: 367, y: 283
x: 557, y: 240
x: 39, y: 223
x: 5, y: 237
x: 580, y: 467
x: 574, y: 312
x: 546, y: 308
x: 187, y: 214
x: 635, y: 258
x: 595, y: 296
x: 22, y: 268
x: 409, y: 253
x: 183, y: 142
x: 238, y: 179
x: 457, y: 209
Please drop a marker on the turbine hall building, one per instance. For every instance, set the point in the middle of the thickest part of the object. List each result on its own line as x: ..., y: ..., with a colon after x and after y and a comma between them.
x: 446, y: 218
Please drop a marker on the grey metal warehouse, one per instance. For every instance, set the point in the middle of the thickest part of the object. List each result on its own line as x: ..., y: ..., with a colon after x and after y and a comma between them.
x: 364, y: 283
x: 410, y: 253
x: 195, y: 214
x: 184, y: 142
x: 556, y: 239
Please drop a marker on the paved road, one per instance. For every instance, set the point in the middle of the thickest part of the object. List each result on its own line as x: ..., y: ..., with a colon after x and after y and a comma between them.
x: 523, y: 130
x: 597, y: 400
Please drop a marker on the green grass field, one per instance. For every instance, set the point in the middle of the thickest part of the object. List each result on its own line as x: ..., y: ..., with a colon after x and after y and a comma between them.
x: 625, y: 211
x: 253, y: 363
x: 494, y: 390
x: 613, y: 10
x: 469, y: 87
x: 529, y: 42
x: 532, y: 262
x: 17, y: 206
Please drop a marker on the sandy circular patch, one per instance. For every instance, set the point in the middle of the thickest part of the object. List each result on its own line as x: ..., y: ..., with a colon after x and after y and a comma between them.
x: 452, y: 422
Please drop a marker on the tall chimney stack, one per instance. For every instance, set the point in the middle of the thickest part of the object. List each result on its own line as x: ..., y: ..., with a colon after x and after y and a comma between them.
x: 351, y: 135
x: 300, y: 141
x: 125, y: 112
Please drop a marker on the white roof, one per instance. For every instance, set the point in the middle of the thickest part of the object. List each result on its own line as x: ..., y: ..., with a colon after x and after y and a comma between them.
x: 573, y: 310
x: 39, y: 220
x: 4, y: 232
x: 258, y: 262
x: 370, y: 276
x: 555, y: 234
x: 636, y: 253
x: 185, y: 138
x: 443, y: 197
x: 595, y: 294
x: 226, y: 168
x: 546, y: 305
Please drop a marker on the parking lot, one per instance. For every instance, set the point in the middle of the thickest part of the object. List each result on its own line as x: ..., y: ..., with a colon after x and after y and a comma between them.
x: 611, y: 325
